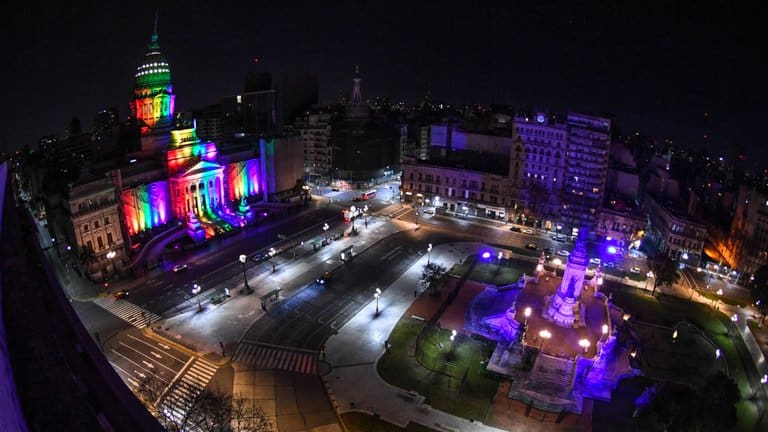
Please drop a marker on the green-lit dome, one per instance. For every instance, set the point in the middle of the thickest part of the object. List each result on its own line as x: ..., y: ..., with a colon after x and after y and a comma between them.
x: 155, y: 71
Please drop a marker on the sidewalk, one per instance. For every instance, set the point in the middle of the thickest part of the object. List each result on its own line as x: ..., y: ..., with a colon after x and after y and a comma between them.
x: 353, y: 353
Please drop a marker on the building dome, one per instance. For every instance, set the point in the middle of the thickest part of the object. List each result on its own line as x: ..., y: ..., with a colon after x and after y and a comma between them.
x: 155, y: 71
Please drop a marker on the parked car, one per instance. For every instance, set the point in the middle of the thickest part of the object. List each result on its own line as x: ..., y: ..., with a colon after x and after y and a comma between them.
x: 324, y: 278
x: 516, y: 229
x: 120, y: 294
x: 429, y: 210
x: 634, y: 270
x: 531, y: 246
x: 180, y: 267
x: 528, y: 231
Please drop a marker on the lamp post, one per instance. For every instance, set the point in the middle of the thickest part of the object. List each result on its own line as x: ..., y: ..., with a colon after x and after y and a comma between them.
x: 376, y: 295
x: 526, y: 314
x: 325, y: 231
x: 584, y: 343
x: 544, y: 334
x: 605, y: 330
x: 674, y: 336
x: 734, y: 320
x: 111, y: 256
x: 272, y: 253
x: 648, y: 277
x: 429, y: 252
x: 365, y: 215
x: 243, y: 259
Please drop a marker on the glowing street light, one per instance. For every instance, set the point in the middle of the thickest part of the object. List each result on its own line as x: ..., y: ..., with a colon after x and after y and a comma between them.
x: 365, y: 215
x: 453, y: 335
x: 584, y: 343
x: 243, y: 259
x: 111, y: 256
x: 376, y: 295
x: 717, y: 353
x: 196, y: 289
x: 325, y: 231
x: 544, y: 334
x: 674, y: 336
x: 526, y: 313
x: 605, y: 329
x: 429, y: 250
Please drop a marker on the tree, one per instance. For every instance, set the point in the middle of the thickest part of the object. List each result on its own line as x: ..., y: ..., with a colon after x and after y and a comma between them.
x: 664, y: 271
x: 679, y: 407
x: 759, y: 290
x: 431, y: 276
x: 207, y: 411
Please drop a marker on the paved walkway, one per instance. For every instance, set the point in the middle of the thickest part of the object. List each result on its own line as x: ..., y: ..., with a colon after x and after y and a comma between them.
x: 353, y: 353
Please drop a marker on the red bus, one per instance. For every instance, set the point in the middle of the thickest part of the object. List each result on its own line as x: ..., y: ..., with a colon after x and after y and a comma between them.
x: 371, y: 194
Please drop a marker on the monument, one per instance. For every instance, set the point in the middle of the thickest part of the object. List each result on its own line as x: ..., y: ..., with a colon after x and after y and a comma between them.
x: 565, y: 308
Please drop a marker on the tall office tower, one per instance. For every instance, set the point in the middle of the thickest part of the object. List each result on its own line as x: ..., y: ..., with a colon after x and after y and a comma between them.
x: 586, y: 171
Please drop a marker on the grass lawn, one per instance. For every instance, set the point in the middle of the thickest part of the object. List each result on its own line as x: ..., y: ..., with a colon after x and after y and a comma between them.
x: 667, y: 311
x: 725, y: 299
x: 451, y: 377
x: 494, y: 272
x: 360, y: 422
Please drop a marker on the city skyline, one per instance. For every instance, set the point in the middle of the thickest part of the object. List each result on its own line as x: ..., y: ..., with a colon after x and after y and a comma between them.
x: 666, y: 72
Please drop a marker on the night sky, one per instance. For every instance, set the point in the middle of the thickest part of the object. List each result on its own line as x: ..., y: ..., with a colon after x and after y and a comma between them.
x: 658, y: 66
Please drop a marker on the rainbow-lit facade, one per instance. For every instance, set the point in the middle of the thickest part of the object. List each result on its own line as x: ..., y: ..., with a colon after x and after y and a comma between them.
x: 198, y: 190
x: 153, y: 103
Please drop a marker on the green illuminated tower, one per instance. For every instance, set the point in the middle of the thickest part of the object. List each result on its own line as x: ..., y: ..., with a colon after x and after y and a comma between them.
x: 153, y: 99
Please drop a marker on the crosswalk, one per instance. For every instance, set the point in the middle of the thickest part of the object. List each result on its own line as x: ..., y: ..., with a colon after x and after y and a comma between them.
x: 274, y: 357
x: 181, y: 397
x: 127, y: 311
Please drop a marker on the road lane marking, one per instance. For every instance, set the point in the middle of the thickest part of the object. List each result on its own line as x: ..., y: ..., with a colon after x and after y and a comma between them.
x: 162, y: 345
x: 143, y: 355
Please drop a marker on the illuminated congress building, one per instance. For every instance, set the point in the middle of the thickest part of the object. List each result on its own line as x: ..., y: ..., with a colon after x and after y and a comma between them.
x: 179, y: 180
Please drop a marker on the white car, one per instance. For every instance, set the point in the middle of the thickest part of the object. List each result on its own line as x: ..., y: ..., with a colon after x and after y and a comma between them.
x: 597, y: 261
x: 634, y: 270
x: 528, y: 231
x: 564, y: 253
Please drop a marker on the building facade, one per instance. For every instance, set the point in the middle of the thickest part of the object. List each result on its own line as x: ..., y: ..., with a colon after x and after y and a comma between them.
x: 674, y: 233
x: 315, y: 132
x: 747, y: 245
x: 94, y: 211
x: 545, y: 142
x: 586, y: 171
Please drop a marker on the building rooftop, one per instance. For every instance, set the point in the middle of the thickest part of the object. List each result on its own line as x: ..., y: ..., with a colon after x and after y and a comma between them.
x: 57, y: 374
x: 472, y: 161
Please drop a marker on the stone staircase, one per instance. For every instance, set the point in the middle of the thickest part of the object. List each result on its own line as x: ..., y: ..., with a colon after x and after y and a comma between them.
x: 548, y: 386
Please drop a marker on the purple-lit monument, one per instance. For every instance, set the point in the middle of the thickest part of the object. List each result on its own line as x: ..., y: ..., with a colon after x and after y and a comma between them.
x: 565, y: 307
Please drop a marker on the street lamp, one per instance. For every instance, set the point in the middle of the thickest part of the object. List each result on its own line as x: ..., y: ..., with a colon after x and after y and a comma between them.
x: 674, y: 336
x: 243, y: 259
x: 526, y: 313
x: 111, y: 256
x: 272, y: 253
x: 376, y: 295
x: 365, y: 215
x: 648, y: 277
x: 325, y: 231
x: 544, y: 334
x: 429, y: 250
x: 584, y: 343
x: 717, y: 353
x: 605, y: 329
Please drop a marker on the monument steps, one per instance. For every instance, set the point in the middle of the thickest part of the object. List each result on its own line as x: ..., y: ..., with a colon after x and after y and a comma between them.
x: 548, y: 387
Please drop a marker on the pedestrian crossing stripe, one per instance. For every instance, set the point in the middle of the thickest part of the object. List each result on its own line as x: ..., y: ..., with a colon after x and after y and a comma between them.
x: 271, y: 357
x: 127, y: 311
x: 185, y: 390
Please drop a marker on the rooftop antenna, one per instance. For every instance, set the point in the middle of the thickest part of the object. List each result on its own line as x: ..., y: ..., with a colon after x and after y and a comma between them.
x: 156, y: 11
